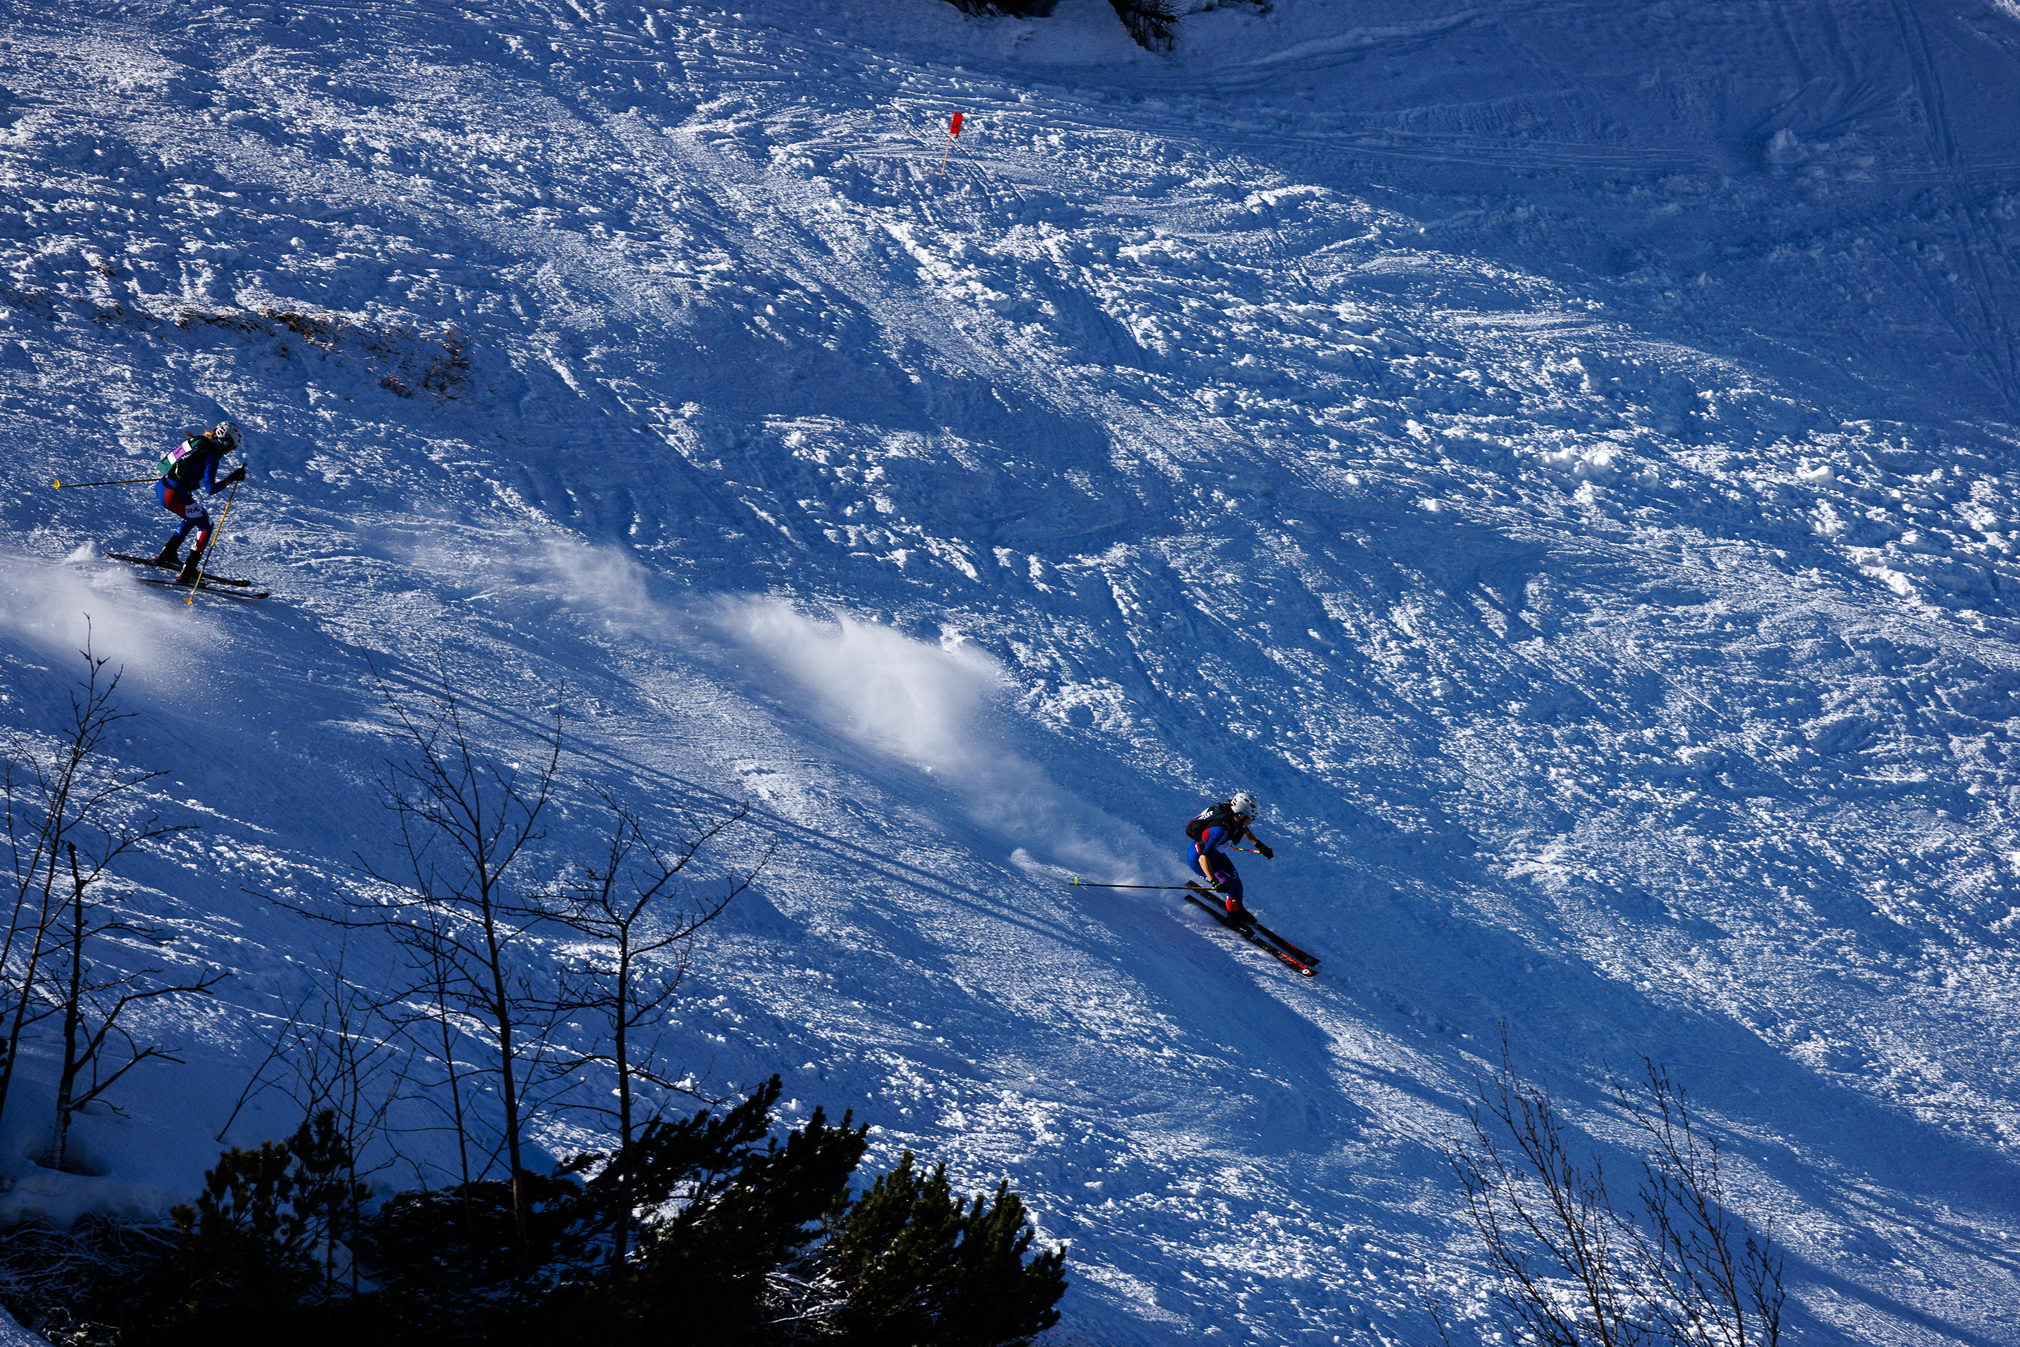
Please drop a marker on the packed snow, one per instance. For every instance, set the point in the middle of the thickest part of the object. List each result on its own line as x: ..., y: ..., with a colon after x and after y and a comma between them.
x: 1559, y: 456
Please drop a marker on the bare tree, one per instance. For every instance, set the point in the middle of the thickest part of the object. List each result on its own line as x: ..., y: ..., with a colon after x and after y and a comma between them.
x: 1719, y: 1283
x: 371, y: 1056
x: 50, y: 795
x: 626, y: 907
x: 36, y: 805
x: 635, y: 925
x: 458, y: 904
x: 1578, y: 1270
x: 98, y: 1047
x: 71, y: 815
x: 488, y: 950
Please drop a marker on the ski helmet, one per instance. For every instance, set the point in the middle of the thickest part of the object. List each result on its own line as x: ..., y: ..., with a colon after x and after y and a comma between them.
x: 227, y: 432
x: 1243, y: 805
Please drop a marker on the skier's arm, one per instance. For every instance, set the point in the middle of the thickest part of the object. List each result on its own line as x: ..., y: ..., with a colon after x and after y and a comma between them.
x: 1210, y: 840
x: 1260, y: 845
x: 215, y: 483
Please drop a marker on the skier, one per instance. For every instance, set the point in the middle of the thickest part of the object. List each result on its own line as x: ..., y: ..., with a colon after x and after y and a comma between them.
x: 191, y: 464
x: 1225, y: 825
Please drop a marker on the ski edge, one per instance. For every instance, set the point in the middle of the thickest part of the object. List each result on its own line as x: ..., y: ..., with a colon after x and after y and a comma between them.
x: 205, y: 588
x: 150, y: 561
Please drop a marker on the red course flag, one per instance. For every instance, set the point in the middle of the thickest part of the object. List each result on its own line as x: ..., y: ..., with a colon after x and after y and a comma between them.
x: 953, y: 134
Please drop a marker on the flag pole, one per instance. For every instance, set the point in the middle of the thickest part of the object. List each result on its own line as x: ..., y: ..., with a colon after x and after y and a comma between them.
x: 953, y: 134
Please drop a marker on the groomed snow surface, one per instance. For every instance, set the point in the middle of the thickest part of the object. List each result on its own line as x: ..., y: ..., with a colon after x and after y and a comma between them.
x: 1559, y: 456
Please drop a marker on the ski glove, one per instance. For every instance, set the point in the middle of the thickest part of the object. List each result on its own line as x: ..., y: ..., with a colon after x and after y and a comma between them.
x: 235, y: 475
x: 1264, y: 848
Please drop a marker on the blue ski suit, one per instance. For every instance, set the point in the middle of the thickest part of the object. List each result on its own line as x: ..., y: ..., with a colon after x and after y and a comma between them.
x: 1207, y: 857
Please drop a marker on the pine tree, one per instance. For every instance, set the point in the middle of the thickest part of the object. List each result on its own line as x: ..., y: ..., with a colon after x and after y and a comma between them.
x: 259, y: 1244
x: 743, y: 1218
x: 920, y: 1271
x: 744, y: 1239
x: 472, y: 1263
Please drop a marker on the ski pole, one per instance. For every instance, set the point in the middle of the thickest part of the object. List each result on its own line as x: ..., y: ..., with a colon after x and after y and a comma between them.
x: 204, y: 565
x: 1091, y: 884
x: 120, y: 481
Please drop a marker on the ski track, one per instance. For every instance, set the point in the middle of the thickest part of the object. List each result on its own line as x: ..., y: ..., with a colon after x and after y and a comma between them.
x: 1575, y: 490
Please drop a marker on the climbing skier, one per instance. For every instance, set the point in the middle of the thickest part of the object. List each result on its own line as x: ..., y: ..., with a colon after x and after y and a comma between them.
x: 1216, y: 828
x: 191, y: 464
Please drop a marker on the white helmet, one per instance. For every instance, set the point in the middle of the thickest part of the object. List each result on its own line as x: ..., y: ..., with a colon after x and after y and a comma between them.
x: 226, y: 431
x: 1243, y: 805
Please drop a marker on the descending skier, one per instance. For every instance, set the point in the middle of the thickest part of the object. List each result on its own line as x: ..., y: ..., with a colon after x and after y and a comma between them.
x: 191, y: 464
x: 1218, y: 827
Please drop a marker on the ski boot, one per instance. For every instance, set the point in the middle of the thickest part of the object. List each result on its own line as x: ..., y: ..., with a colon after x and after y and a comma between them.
x: 192, y: 566
x: 170, y: 553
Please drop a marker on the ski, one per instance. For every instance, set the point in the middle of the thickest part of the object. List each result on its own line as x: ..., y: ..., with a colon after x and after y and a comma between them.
x: 206, y: 588
x: 1306, y: 965
x: 1303, y: 956
x: 208, y: 580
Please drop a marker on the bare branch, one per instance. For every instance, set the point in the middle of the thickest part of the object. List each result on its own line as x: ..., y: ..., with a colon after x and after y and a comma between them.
x: 1575, y: 1269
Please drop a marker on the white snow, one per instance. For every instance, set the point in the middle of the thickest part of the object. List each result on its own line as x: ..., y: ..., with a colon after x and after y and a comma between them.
x: 1560, y: 457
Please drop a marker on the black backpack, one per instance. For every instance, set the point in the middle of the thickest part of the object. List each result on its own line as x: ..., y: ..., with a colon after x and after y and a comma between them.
x: 1220, y: 816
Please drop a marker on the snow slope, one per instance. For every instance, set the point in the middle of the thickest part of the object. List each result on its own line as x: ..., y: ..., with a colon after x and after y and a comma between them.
x: 1558, y: 455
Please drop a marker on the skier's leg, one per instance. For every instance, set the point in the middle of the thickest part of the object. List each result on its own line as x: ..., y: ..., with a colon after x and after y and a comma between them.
x: 1227, y: 877
x: 1230, y: 885
x: 194, y: 516
x: 171, y: 551
x: 193, y: 563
